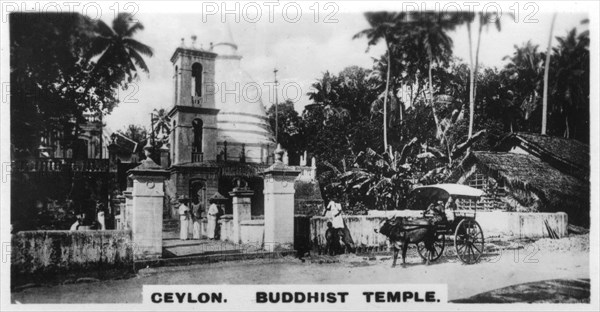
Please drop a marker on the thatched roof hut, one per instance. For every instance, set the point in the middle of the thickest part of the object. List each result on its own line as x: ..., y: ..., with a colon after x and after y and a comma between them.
x: 567, y: 155
x: 531, y: 181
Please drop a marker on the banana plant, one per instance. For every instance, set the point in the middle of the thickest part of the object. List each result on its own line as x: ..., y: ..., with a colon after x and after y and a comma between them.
x: 383, y: 180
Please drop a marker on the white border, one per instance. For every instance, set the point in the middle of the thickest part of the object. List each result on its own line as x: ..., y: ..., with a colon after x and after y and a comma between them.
x: 592, y: 8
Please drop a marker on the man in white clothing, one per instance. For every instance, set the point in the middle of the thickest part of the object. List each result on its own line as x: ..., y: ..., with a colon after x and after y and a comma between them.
x: 213, y: 215
x: 184, y: 217
x: 338, y: 224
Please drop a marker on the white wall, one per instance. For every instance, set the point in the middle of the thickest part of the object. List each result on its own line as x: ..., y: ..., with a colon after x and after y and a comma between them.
x: 493, y: 224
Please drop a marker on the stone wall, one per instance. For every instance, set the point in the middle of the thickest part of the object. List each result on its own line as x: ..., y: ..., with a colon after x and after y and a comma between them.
x: 493, y: 224
x: 226, y: 223
x: 253, y: 232
x: 361, y: 228
x: 47, y: 253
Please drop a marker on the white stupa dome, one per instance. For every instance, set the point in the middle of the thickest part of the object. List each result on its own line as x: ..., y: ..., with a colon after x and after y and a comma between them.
x: 242, y: 118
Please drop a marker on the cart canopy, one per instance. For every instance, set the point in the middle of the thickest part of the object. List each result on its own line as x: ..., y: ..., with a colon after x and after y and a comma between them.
x: 443, y: 191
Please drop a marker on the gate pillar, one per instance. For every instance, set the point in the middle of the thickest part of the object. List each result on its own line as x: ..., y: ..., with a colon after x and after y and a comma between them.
x: 147, y: 209
x: 279, y: 203
x: 242, y: 204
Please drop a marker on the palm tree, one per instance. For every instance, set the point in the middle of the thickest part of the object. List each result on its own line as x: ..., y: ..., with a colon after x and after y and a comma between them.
x: 525, y: 72
x: 570, y: 82
x: 484, y: 21
x: 161, y: 122
x: 432, y: 30
x: 119, y: 53
x: 469, y: 17
x: 376, y: 79
x: 384, y: 25
x: 546, y: 72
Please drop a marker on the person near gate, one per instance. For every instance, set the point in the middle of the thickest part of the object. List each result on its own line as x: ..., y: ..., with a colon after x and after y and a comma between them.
x: 197, y: 218
x: 184, y: 217
x: 338, y: 223
x: 213, y: 215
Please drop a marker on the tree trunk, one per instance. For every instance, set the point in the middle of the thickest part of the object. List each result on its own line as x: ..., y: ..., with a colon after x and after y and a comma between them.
x: 435, y: 118
x: 387, y: 86
x: 471, y: 79
x: 546, y: 72
x: 477, y: 62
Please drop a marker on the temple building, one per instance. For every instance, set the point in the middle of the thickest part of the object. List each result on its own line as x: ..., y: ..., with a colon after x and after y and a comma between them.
x: 220, y: 135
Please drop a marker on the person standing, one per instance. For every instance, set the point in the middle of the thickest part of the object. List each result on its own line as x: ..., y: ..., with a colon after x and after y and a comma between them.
x: 100, y: 213
x: 338, y: 224
x: 196, y: 216
x: 213, y: 214
x: 336, y: 214
x: 184, y: 218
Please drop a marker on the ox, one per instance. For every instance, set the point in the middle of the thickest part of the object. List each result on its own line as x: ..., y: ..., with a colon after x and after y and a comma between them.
x: 402, y: 231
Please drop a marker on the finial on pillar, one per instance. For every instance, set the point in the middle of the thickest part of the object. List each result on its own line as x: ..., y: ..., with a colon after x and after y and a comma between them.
x: 286, y: 159
x: 194, y: 41
x: 148, y: 149
x: 313, y: 169
x: 182, y: 43
x: 279, y: 153
x: 303, y: 159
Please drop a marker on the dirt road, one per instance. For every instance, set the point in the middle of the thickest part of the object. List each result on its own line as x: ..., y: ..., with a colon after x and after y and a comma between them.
x: 503, y: 269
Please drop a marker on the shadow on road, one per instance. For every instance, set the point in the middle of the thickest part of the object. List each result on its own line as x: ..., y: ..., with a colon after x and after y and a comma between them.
x: 550, y: 291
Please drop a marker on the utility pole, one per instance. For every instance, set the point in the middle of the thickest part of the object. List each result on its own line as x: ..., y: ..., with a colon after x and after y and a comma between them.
x: 276, y: 109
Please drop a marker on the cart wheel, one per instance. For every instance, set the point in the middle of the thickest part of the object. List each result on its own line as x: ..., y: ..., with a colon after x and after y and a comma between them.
x: 438, y: 247
x: 468, y: 241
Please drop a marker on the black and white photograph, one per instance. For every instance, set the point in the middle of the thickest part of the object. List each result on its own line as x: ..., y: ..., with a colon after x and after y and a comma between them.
x: 299, y: 155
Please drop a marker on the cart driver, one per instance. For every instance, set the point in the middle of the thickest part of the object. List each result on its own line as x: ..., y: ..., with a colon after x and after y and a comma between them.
x: 437, y: 212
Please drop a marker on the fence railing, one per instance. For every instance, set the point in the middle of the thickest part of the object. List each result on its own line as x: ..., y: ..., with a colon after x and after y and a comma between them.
x: 60, y: 165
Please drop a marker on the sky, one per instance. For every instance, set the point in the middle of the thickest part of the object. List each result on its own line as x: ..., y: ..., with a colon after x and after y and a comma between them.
x: 301, y: 50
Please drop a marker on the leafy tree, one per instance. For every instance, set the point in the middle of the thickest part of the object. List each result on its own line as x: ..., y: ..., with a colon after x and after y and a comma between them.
x: 290, y: 128
x: 324, y: 92
x: 46, y: 74
x: 431, y: 31
x: 51, y: 73
x: 341, y: 125
x: 496, y: 110
x: 570, y: 88
x: 525, y: 76
x: 137, y: 133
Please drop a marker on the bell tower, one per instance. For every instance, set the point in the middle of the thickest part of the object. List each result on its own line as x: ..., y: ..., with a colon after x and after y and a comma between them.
x: 193, y: 116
